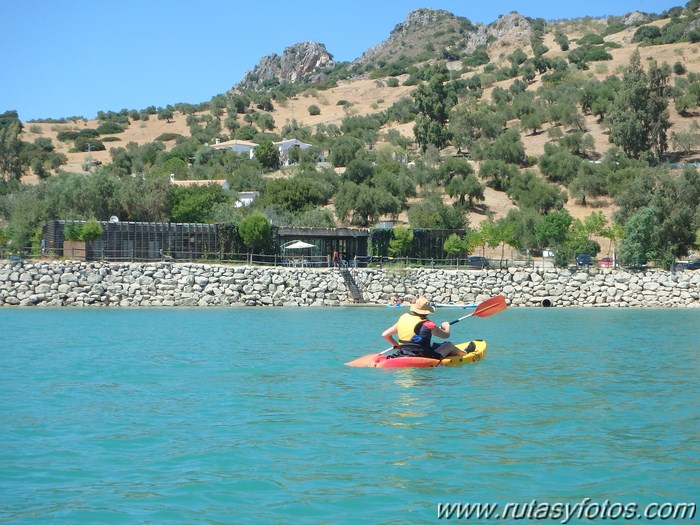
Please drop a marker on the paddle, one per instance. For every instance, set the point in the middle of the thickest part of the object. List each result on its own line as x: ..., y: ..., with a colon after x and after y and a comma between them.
x: 485, y: 309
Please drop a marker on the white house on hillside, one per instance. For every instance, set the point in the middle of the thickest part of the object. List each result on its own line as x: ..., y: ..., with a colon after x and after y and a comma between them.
x: 244, y: 146
x: 237, y: 146
x: 287, y: 144
x: 246, y: 198
x: 284, y: 145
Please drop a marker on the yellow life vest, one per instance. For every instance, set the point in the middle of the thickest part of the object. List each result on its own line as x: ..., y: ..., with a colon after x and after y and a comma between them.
x: 406, y: 329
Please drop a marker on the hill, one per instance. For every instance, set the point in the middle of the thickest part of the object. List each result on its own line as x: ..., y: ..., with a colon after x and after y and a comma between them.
x: 382, y: 77
x: 367, y: 96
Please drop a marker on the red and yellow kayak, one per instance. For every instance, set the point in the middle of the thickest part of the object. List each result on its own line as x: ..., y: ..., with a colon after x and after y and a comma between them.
x: 383, y: 361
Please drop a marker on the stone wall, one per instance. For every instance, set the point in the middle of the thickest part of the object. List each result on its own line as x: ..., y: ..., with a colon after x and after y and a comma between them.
x: 77, y: 283
x: 539, y: 286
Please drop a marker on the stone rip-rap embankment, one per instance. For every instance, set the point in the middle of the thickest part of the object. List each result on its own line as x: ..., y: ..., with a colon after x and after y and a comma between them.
x: 75, y: 283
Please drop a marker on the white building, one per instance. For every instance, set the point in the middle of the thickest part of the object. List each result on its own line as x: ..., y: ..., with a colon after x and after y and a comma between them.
x: 244, y: 146
x: 237, y: 146
x: 246, y: 198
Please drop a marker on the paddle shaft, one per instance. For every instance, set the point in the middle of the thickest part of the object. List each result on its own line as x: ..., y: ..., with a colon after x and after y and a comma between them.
x: 460, y: 319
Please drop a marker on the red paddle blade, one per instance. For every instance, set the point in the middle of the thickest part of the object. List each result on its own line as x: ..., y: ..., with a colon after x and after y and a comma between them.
x: 491, y: 306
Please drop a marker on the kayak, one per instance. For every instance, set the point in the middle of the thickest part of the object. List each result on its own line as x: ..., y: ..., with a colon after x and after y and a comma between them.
x: 383, y: 361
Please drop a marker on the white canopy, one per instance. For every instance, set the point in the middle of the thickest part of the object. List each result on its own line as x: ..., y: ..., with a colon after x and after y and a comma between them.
x: 298, y: 245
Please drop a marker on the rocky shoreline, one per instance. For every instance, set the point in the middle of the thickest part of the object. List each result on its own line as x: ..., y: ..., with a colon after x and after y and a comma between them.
x: 77, y: 283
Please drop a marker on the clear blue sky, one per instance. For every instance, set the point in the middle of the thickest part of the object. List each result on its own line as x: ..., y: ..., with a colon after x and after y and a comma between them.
x: 75, y: 58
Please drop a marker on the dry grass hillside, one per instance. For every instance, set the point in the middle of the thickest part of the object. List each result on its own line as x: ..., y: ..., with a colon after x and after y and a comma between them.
x: 369, y: 96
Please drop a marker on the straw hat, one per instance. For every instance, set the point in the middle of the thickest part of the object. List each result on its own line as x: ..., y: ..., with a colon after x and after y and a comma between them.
x: 422, y: 307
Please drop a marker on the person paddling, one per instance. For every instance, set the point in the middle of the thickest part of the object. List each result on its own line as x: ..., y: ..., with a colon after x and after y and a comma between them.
x: 415, y: 332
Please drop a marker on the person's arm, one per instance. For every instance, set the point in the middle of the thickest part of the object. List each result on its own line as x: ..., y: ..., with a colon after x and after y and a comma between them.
x: 388, y: 334
x: 442, y: 331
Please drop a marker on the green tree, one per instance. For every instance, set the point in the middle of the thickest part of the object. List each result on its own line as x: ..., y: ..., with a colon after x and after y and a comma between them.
x: 433, y: 101
x: 144, y: 199
x: 363, y: 204
x: 195, y: 203
x: 638, y: 118
x: 165, y: 114
x: 646, y: 33
x: 497, y: 173
x: 454, y: 244
x: 553, y: 229
x: 688, y: 140
x: 614, y: 233
x: 27, y: 211
x: 91, y: 231
x: 344, y: 150
x: 217, y: 106
x: 589, y: 182
x: 293, y: 195
x: 255, y: 231
x: 561, y: 39
x: 71, y: 231
x: 638, y: 246
x: 10, y: 146
x: 268, y: 155
x: 529, y: 191
x: 558, y: 164
x: 466, y: 188
x: 524, y: 224
x: 371, y: 203
x: 507, y: 147
x: 498, y: 233
x: 433, y: 213
x: 532, y: 120
x: 401, y: 240
x: 453, y: 167
x: 359, y: 171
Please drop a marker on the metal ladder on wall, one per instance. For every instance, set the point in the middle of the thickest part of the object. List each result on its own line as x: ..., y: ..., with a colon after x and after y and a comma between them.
x: 351, y: 285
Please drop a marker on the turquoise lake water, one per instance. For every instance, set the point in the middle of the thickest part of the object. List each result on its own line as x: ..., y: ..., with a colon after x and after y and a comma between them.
x: 247, y: 415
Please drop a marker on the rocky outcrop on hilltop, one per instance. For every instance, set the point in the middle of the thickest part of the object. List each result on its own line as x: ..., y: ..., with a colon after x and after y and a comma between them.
x: 298, y: 62
x: 411, y: 36
x: 418, y: 19
x: 634, y: 18
x: 511, y: 30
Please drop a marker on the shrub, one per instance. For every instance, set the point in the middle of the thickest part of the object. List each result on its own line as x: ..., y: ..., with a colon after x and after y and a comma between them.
x: 88, y: 133
x: 91, y: 231
x: 392, y: 82
x: 314, y: 110
x: 591, y: 39
x: 679, y: 68
x: 109, y: 128
x: 71, y: 231
x: 87, y: 143
x: 165, y: 137
x: 67, y: 136
x: 646, y: 33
